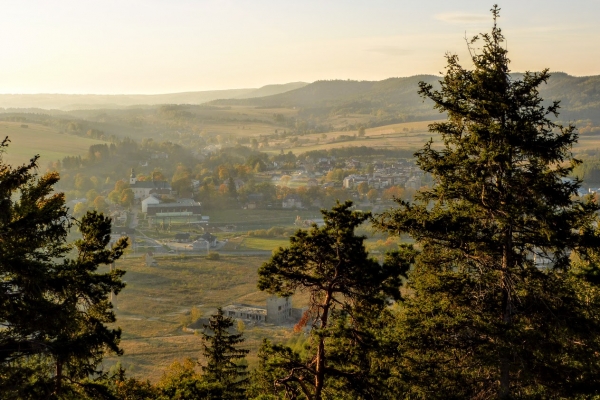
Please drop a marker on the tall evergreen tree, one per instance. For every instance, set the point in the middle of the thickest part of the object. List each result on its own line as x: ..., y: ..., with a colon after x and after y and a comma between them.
x: 498, y: 309
x: 223, y: 356
x: 349, y: 292
x: 53, y: 309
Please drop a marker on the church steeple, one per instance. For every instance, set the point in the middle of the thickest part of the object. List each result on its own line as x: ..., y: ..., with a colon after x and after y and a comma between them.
x: 132, y: 179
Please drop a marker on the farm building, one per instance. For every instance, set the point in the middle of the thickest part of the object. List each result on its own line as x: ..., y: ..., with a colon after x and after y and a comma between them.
x: 182, y: 208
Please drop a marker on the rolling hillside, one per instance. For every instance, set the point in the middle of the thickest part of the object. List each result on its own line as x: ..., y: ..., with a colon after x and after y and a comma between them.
x: 579, y: 96
x: 95, y: 101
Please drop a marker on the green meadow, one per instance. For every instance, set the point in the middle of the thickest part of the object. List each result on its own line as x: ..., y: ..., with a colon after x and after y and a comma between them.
x: 50, y: 144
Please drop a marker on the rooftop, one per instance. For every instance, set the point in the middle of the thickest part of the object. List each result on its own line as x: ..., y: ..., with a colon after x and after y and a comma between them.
x: 246, y: 308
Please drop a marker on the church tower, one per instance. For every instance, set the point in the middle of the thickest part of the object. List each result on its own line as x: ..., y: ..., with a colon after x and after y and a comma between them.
x: 132, y: 179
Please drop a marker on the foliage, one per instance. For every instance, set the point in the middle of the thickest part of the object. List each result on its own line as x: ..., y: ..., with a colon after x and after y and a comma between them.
x: 348, y: 293
x: 53, y: 309
x: 183, y: 382
x: 223, y: 356
x: 213, y: 256
x: 497, y: 308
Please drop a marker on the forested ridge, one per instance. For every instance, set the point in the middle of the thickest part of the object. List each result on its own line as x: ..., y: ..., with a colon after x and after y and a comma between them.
x: 579, y: 96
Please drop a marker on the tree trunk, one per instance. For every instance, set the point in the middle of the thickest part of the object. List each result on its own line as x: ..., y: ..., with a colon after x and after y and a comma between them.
x: 320, y: 361
x: 58, y: 383
x: 506, y: 313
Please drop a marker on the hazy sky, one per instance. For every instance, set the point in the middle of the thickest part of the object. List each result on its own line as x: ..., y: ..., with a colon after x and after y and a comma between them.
x: 161, y: 46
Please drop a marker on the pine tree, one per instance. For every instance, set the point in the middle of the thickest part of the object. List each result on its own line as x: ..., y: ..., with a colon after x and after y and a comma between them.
x: 223, y: 356
x: 498, y: 307
x: 349, y: 292
x: 53, y: 309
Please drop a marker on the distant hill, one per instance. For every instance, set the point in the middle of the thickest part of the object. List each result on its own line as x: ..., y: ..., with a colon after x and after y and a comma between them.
x: 328, y: 93
x: 270, y: 90
x: 579, y: 96
x: 388, y: 101
x: 95, y: 101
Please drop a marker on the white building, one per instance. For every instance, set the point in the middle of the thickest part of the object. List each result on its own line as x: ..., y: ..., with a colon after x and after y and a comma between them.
x: 147, y: 201
x: 142, y: 189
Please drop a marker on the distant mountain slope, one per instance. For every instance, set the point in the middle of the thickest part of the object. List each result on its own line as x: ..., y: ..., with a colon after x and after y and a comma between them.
x: 391, y: 96
x: 579, y: 96
x: 327, y: 93
x: 94, y: 101
x: 270, y: 90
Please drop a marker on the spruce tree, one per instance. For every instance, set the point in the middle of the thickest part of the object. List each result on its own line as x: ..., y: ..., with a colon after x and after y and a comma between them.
x: 223, y: 357
x: 53, y: 308
x: 498, y: 308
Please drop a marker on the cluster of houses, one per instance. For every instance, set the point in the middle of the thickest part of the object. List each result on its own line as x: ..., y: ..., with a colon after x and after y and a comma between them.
x: 382, y: 178
x: 382, y: 175
x: 309, y: 172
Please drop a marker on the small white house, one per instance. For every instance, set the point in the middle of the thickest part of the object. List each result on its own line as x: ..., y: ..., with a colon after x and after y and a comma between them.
x: 149, y: 200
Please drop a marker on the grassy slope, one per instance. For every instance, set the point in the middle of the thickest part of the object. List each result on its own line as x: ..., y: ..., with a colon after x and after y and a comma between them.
x: 409, y: 135
x: 42, y: 140
x: 150, y: 308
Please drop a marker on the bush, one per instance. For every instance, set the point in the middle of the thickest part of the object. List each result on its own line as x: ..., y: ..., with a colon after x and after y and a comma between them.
x: 213, y: 256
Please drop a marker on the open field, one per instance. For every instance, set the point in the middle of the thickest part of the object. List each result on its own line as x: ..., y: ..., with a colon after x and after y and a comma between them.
x: 259, y: 219
x: 588, y: 142
x: 259, y: 243
x: 408, y: 135
x: 38, y: 139
x: 150, y: 309
x: 52, y: 145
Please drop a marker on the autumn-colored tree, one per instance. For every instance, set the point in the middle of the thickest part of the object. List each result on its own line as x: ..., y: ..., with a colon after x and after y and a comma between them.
x: 362, y: 188
x: 285, y: 180
x: 393, y: 192
x: 223, y: 172
x: 100, y: 204
x: 120, y: 185
x: 127, y: 197
x: 372, y: 195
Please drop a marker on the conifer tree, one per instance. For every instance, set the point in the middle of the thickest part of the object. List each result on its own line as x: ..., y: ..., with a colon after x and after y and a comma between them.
x: 53, y: 309
x: 349, y: 292
x: 223, y: 356
x: 498, y: 309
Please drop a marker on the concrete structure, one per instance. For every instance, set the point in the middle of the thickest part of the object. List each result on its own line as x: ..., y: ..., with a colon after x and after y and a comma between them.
x: 278, y: 311
x: 246, y: 312
x: 200, y: 244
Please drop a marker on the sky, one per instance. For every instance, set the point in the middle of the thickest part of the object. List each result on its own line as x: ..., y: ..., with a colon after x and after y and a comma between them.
x: 168, y: 46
